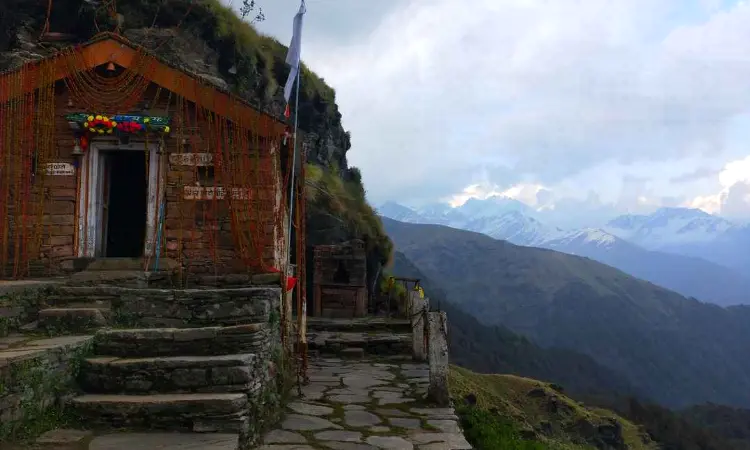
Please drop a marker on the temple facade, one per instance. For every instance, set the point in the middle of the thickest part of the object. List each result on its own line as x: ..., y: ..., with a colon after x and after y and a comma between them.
x: 106, y: 151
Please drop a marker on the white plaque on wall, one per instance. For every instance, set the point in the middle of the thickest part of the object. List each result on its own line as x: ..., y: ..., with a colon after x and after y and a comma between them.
x: 61, y: 169
x: 191, y: 159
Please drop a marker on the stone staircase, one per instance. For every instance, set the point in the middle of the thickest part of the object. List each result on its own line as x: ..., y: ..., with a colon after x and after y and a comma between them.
x: 207, y: 379
x: 355, y: 338
x: 118, y: 292
x: 86, y: 300
x: 200, y: 360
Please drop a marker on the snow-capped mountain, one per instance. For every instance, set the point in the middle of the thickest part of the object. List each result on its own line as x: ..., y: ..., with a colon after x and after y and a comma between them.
x: 693, y: 276
x: 512, y: 226
x: 669, y: 227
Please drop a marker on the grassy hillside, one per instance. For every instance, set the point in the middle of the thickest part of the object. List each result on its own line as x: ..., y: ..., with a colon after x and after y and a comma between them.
x: 496, y: 349
x: 674, y: 350
x: 512, y: 412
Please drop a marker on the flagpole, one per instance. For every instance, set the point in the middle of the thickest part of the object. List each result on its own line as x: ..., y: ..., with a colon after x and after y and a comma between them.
x: 294, y: 167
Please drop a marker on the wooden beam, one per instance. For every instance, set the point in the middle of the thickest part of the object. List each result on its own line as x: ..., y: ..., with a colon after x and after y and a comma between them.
x: 177, y: 81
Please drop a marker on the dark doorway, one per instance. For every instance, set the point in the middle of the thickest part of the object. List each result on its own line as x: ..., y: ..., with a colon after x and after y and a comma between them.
x: 342, y: 275
x: 126, y: 203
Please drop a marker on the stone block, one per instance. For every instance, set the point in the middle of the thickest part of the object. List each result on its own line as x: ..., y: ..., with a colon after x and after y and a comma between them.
x: 225, y: 412
x: 233, y: 340
x: 176, y: 374
x: 63, y: 439
x: 417, y: 311
x: 71, y: 320
x: 437, y: 391
x: 35, y: 375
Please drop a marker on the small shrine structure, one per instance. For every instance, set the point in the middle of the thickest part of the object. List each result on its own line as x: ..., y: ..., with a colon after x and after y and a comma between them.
x: 340, y: 280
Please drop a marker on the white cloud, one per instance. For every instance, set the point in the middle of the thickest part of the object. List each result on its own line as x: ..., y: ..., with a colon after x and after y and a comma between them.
x: 733, y: 199
x: 574, y: 95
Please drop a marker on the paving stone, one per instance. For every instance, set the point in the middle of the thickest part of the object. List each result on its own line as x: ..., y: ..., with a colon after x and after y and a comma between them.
x: 167, y: 441
x: 395, y: 400
x: 446, y: 426
x: 381, y: 375
x: 347, y: 446
x: 286, y: 447
x: 310, y: 409
x: 392, y: 412
x: 391, y: 388
x: 360, y: 418
x: 362, y: 381
x: 311, y: 392
x: 352, y: 352
x: 298, y: 422
x: 63, y: 438
x: 418, y: 373
x: 433, y: 411
x: 349, y: 399
x: 283, y: 437
x: 408, y: 423
x: 324, y: 379
x: 353, y: 407
x: 390, y: 442
x: 452, y: 441
x: 348, y: 391
x: 342, y: 436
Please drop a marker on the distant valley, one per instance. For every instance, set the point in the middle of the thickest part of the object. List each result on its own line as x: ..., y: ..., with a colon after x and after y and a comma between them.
x: 669, y: 348
x: 685, y: 250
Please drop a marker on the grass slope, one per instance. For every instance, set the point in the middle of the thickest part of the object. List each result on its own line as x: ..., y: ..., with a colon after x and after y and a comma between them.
x: 496, y: 349
x: 674, y: 350
x: 512, y: 413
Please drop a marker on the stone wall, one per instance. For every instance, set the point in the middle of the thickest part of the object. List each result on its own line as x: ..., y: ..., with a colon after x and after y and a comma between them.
x: 179, y: 308
x: 36, y: 378
x: 20, y: 303
x: 198, y: 231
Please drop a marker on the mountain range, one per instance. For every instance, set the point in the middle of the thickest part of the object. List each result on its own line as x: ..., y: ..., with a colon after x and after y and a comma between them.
x: 496, y: 349
x: 686, y: 250
x: 671, y: 349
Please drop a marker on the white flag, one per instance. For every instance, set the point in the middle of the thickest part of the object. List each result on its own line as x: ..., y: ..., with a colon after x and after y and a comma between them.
x: 295, y: 51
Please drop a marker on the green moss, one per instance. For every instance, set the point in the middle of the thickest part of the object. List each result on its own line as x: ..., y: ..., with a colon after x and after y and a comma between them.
x: 29, y: 300
x: 40, y: 387
x: 343, y: 198
x: 507, y: 404
x: 486, y: 430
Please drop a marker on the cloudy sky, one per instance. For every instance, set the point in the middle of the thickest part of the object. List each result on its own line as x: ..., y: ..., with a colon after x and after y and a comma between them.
x: 578, y: 105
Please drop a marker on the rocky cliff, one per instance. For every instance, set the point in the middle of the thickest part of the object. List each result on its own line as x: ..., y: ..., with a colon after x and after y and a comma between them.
x: 210, y: 40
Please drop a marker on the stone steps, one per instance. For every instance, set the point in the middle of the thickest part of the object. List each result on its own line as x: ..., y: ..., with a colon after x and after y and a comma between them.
x: 180, y: 308
x: 174, y: 374
x: 217, y: 413
x: 372, y: 343
x: 152, y: 342
x: 69, y: 439
x: 76, y: 320
x: 60, y: 301
x: 363, y: 325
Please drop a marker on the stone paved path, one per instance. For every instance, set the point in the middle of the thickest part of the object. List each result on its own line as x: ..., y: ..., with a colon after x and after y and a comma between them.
x: 366, y: 405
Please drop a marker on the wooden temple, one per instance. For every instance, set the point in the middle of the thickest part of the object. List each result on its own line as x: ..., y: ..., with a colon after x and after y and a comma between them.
x: 107, y: 151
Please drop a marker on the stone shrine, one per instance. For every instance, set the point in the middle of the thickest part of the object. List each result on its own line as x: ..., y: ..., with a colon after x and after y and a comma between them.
x: 340, y: 280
